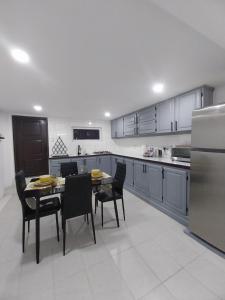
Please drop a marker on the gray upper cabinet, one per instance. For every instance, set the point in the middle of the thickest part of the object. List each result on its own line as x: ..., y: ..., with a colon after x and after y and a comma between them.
x: 141, y: 178
x: 147, y: 121
x: 184, y: 106
x: 155, y: 182
x: 165, y: 116
x: 170, y: 116
x: 130, y: 125
x: 175, y: 190
x: 129, y: 180
x: 114, y: 128
x: 117, y: 128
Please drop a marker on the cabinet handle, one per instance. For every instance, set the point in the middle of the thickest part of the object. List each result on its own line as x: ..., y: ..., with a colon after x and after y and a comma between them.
x: 171, y: 124
x: 175, y: 125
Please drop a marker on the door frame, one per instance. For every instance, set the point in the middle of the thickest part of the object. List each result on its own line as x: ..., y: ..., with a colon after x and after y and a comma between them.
x: 14, y: 118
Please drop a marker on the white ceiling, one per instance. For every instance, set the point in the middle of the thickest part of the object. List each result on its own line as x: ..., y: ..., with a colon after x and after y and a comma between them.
x: 89, y: 56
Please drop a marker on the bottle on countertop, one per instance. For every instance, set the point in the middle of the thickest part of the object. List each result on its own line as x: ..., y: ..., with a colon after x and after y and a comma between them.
x: 78, y: 150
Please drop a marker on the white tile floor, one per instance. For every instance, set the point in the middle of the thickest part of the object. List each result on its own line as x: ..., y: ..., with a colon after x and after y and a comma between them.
x: 149, y: 257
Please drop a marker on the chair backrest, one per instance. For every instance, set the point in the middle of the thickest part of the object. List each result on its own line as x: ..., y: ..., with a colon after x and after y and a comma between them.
x: 77, y: 198
x: 69, y: 168
x: 119, y: 177
x: 20, y: 187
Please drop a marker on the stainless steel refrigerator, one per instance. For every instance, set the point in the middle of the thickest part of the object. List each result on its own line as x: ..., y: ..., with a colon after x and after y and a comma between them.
x: 207, y: 194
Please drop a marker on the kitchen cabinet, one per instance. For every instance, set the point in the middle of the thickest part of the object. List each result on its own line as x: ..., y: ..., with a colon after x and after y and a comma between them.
x: 184, y: 106
x: 129, y: 180
x: 117, y: 128
x: 141, y: 177
x: 115, y: 160
x: 155, y: 182
x: 165, y: 116
x: 130, y: 125
x: 170, y: 116
x: 90, y: 163
x: 147, y: 120
x: 104, y: 163
x: 80, y: 163
x: 175, y: 190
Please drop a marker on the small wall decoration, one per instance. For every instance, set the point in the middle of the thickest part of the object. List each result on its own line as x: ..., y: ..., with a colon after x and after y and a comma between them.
x: 59, y: 147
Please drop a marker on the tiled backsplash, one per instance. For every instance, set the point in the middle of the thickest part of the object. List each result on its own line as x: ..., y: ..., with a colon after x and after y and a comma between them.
x: 133, y: 146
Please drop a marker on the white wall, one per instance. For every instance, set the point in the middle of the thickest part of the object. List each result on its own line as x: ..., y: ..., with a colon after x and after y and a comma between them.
x: 6, y: 153
x: 63, y: 127
x: 219, y: 94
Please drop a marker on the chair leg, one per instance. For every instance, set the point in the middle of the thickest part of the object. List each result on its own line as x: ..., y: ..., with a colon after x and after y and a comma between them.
x: 64, y: 237
x: 116, y: 212
x: 28, y: 226
x: 123, y: 209
x: 96, y: 202
x: 23, y: 236
x: 87, y: 219
x: 57, y: 225
x: 102, y: 212
x: 93, y: 226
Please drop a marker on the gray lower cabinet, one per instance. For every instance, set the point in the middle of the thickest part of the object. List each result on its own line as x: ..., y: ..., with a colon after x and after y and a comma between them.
x: 104, y: 164
x: 114, y: 161
x: 141, y: 177
x: 175, y: 190
x: 165, y: 116
x: 129, y: 180
x: 80, y: 163
x: 184, y: 106
x: 155, y: 182
x: 55, y: 166
x: 90, y: 163
x: 147, y: 121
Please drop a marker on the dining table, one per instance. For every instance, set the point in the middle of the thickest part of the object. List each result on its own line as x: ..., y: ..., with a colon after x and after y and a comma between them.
x: 37, y: 192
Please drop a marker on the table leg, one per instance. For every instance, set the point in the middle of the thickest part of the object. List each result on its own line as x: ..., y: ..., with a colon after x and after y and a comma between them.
x: 37, y: 221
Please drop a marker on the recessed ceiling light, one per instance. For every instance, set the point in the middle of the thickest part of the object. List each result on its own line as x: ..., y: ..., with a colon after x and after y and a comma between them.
x: 158, y: 87
x: 107, y: 114
x: 20, y: 55
x: 89, y: 123
x: 37, y: 107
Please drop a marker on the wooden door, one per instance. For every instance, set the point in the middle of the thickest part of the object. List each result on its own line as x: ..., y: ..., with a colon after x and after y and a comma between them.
x: 30, y: 137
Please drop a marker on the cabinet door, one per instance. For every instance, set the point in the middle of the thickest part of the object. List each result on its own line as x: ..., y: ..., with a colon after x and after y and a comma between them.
x: 130, y: 125
x: 114, y: 161
x: 129, y: 180
x: 184, y: 106
x: 80, y: 163
x: 141, y: 181
x: 175, y: 190
x: 165, y: 116
x: 90, y: 163
x: 146, y: 120
x: 119, y: 130
x: 104, y: 164
x: 155, y: 182
x: 114, y: 129
x: 55, y: 165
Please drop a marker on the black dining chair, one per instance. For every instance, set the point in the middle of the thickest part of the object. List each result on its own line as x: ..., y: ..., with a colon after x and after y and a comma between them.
x: 69, y: 168
x: 114, y: 193
x: 77, y: 201
x: 47, y: 207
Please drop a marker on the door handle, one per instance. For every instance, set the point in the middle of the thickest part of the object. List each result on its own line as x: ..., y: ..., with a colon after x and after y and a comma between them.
x: 175, y: 125
x: 171, y: 124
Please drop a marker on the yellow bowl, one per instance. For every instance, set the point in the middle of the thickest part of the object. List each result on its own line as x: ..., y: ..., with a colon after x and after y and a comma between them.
x: 96, y: 173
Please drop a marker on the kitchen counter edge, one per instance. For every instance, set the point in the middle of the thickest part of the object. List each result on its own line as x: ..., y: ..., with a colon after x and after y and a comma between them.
x: 154, y: 160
